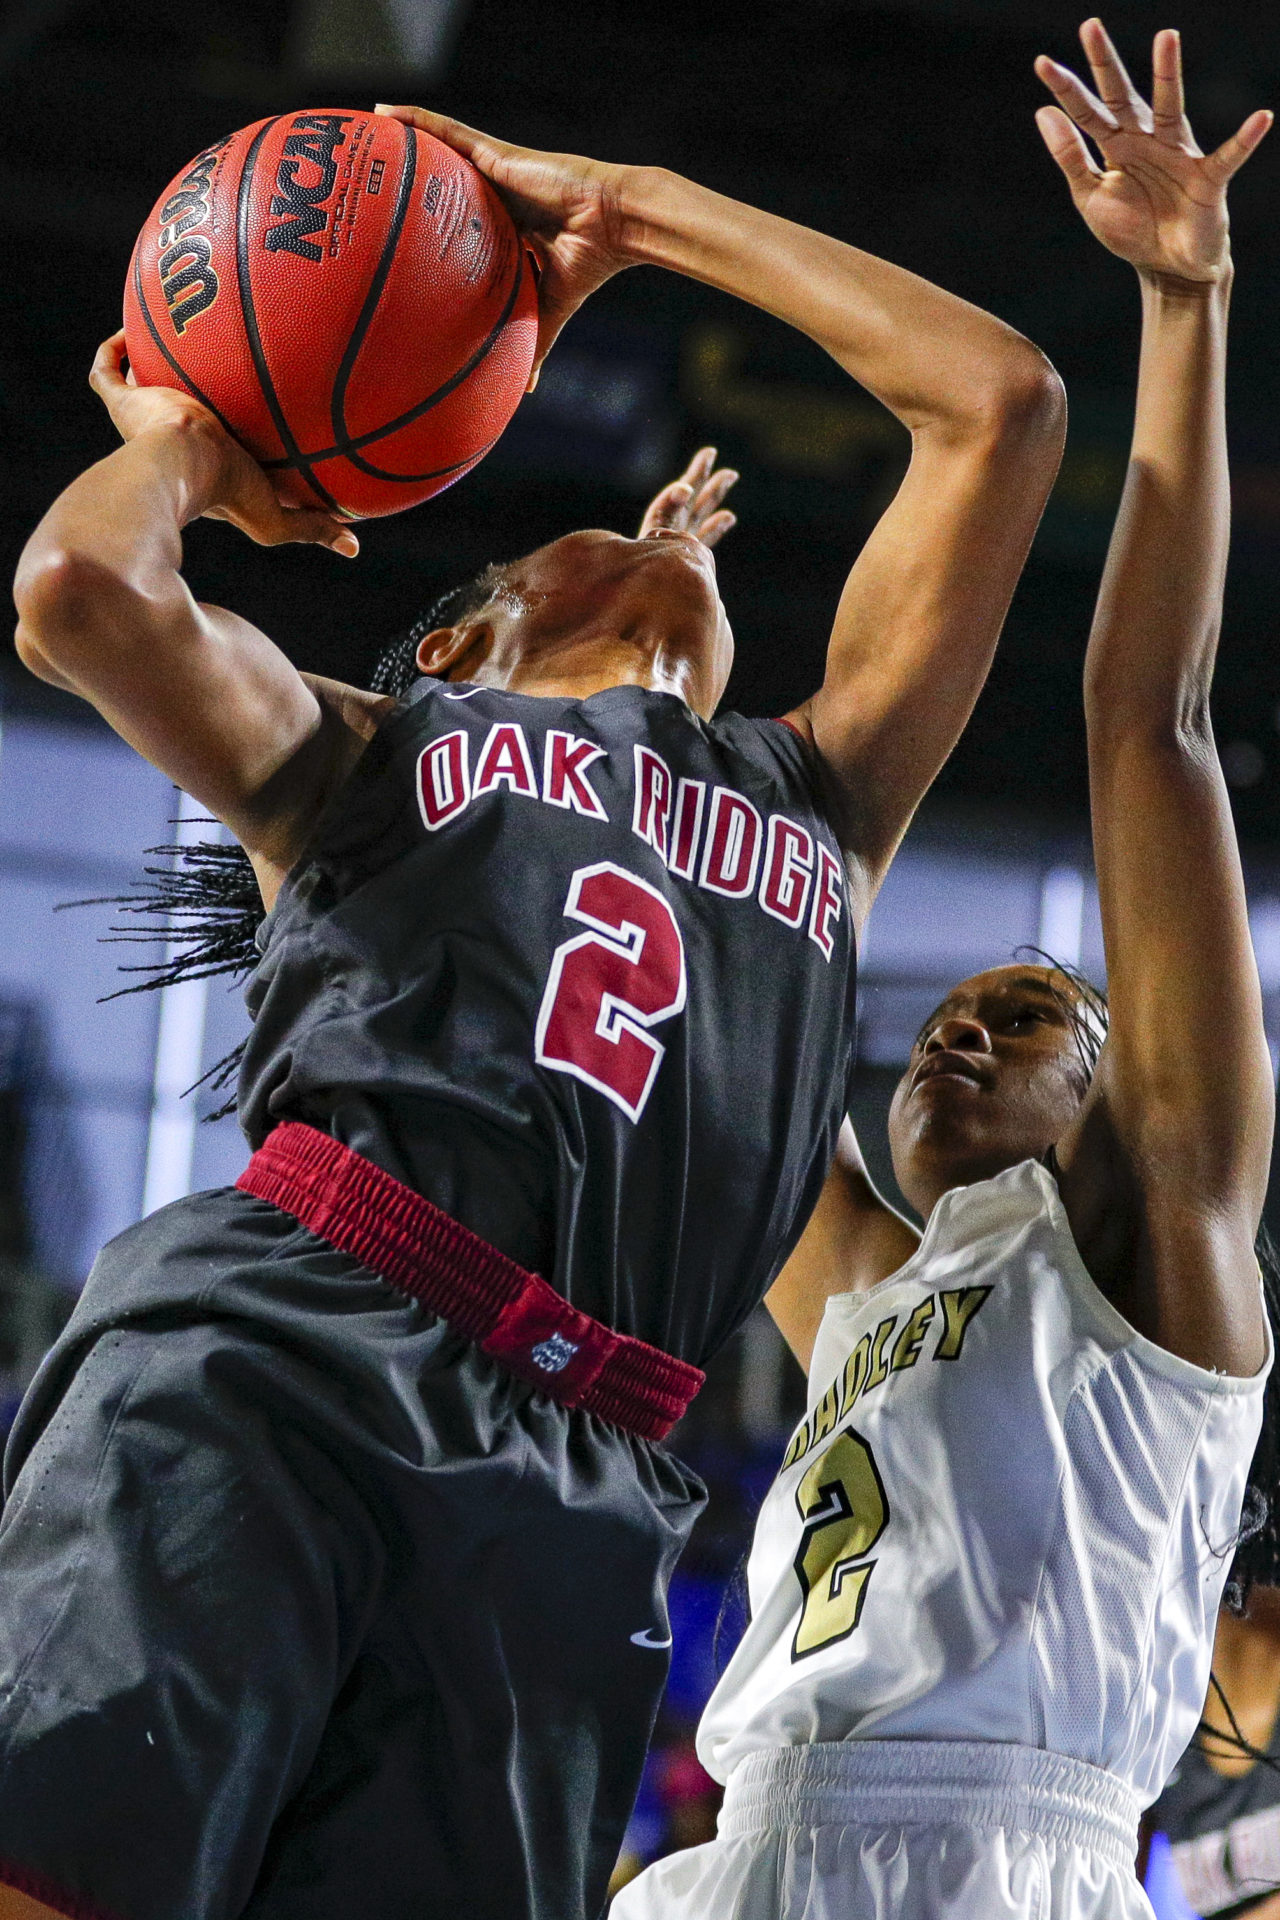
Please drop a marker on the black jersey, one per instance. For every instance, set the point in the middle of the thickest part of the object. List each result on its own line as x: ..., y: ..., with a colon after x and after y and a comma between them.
x: 582, y: 973
x: 1224, y: 1834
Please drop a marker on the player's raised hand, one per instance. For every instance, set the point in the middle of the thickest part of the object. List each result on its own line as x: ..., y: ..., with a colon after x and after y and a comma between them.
x: 244, y: 493
x: 1157, y: 201
x: 568, y: 209
x: 693, y: 503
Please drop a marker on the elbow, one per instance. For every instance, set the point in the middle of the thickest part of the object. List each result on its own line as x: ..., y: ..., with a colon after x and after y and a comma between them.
x: 1167, y: 712
x: 65, y: 600
x: 1026, y: 402
x: 1012, y: 416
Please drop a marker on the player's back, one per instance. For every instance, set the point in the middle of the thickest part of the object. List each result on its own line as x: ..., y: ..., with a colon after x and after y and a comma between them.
x: 1006, y: 1518
x: 581, y: 973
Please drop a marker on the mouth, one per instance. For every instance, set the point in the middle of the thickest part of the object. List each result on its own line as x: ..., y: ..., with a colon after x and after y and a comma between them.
x: 947, y: 1065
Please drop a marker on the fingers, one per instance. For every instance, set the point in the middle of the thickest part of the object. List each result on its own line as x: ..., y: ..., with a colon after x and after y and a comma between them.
x: 701, y: 467
x: 716, y: 527
x: 1232, y: 154
x: 105, y: 376
x: 302, y: 523
x: 1075, y: 100
x: 669, y: 508
x: 710, y: 495
x: 480, y: 148
x: 454, y: 134
x: 1066, y: 143
x: 1167, y: 103
x: 289, y: 525
x: 692, y: 503
x: 1115, y: 89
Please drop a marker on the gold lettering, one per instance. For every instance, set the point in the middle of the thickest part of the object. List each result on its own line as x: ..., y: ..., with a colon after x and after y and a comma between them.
x: 959, y: 1305
x: 824, y: 1415
x: 907, y: 1348
x: 855, y: 1373
x: 879, y: 1364
x: 799, y: 1444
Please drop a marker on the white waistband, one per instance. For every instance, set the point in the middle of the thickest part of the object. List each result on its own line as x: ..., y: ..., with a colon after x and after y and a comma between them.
x: 972, y: 1783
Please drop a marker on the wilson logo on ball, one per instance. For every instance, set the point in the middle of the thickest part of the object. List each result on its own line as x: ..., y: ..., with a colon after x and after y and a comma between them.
x: 397, y: 366
x: 191, y: 288
x: 314, y: 141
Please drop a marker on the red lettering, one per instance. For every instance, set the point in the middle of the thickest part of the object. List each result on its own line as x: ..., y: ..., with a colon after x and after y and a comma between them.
x: 444, y: 786
x: 606, y: 987
x: 564, y: 774
x: 691, y: 797
x: 732, y: 851
x: 828, y: 898
x: 652, y: 816
x: 505, y: 757
x: 788, y: 871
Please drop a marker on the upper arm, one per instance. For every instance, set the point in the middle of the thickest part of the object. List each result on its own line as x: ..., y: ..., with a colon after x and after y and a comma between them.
x: 923, y: 606
x: 1164, y: 1172
x: 854, y: 1239
x: 198, y: 691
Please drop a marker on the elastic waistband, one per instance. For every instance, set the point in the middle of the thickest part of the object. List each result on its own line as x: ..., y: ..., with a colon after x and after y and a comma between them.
x: 512, y: 1314
x: 911, y: 1783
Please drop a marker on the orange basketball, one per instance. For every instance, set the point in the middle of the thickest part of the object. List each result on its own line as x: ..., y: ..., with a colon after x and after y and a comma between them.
x: 348, y: 296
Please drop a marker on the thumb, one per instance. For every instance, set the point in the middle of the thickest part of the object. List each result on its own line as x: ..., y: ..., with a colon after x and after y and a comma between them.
x: 1066, y: 143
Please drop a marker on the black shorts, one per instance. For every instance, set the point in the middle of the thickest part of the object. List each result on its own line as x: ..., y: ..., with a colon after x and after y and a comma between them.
x: 310, y: 1610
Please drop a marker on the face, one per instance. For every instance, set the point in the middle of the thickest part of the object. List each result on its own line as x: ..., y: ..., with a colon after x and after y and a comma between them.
x: 597, y: 607
x: 995, y: 1077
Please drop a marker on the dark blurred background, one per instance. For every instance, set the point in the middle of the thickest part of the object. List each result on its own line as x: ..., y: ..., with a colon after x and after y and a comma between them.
x: 906, y: 129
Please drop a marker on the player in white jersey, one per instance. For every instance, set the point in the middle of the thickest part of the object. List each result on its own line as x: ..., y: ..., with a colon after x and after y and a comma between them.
x: 984, y: 1584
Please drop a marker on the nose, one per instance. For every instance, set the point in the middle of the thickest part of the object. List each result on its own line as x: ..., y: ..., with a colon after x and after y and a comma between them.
x: 958, y: 1033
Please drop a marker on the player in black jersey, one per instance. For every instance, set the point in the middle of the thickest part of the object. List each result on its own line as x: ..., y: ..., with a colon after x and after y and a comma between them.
x: 334, y: 1560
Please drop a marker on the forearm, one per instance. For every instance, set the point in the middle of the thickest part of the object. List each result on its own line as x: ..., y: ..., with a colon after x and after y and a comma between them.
x: 1155, y: 631
x: 929, y: 356
x: 1190, y: 1099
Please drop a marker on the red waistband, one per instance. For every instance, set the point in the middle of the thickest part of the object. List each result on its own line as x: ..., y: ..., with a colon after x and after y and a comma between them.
x: 512, y: 1314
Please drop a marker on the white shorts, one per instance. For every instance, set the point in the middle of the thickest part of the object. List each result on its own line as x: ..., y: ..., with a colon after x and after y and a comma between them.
x: 906, y: 1830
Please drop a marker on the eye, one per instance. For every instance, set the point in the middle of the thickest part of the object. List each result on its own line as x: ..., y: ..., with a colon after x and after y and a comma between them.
x: 1027, y: 1016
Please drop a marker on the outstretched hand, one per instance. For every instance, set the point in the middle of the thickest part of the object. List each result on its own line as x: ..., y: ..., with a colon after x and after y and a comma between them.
x: 244, y: 494
x: 1158, y: 201
x: 567, y: 209
x: 692, y: 504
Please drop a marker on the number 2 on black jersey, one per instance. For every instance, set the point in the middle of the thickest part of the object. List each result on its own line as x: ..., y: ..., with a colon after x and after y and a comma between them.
x: 842, y: 1502
x: 606, y: 987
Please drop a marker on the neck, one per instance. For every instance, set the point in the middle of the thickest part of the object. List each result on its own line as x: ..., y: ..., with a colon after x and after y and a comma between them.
x: 592, y: 667
x: 960, y: 1171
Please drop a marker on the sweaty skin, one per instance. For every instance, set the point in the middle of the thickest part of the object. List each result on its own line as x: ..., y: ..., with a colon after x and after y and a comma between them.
x: 1164, y: 1157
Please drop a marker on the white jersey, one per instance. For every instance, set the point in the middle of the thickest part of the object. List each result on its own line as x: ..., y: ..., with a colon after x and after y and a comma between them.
x: 1005, y: 1521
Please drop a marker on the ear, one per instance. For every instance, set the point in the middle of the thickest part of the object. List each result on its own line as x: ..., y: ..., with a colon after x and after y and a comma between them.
x: 440, y: 651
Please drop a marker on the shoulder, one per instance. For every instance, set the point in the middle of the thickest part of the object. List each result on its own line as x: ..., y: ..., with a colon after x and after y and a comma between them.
x: 777, y: 747
x: 357, y: 711
x: 292, y: 799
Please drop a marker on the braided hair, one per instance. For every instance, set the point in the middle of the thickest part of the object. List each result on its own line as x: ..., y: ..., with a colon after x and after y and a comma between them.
x: 203, y: 901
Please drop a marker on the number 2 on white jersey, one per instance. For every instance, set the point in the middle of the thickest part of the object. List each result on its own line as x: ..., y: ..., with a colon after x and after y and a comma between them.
x: 842, y: 1502
x: 607, y: 986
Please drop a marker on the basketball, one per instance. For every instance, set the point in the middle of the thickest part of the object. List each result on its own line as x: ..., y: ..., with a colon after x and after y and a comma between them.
x: 348, y: 296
